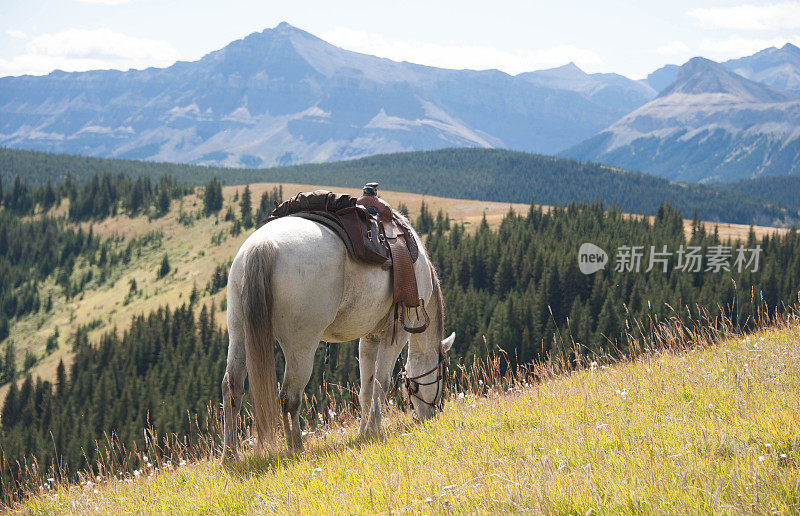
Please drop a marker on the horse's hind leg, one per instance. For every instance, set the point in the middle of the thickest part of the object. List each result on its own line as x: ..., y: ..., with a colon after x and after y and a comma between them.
x: 299, y: 365
x: 233, y: 381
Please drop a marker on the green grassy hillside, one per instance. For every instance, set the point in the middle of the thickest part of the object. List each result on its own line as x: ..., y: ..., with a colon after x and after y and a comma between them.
x: 482, y: 174
x: 713, y: 429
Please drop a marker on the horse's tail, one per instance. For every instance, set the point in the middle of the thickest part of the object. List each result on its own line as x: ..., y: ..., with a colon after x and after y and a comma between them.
x: 259, y: 342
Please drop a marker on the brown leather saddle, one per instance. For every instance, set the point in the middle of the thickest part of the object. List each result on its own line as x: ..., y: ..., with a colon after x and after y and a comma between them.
x: 373, y: 233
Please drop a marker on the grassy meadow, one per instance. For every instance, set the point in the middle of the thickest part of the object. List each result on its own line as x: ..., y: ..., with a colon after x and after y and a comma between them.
x: 713, y: 428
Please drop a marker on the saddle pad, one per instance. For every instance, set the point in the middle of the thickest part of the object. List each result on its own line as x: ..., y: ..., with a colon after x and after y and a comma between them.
x: 346, y: 227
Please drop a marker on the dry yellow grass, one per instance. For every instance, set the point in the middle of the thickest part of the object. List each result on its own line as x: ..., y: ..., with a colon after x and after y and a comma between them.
x: 704, y: 431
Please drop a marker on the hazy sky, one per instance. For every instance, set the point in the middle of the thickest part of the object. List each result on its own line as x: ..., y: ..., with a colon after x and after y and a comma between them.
x: 632, y: 38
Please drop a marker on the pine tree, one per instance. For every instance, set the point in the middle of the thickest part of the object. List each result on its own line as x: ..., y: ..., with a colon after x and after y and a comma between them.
x: 165, y: 267
x: 29, y: 362
x: 608, y: 324
x: 9, y: 364
x: 212, y: 197
x: 61, y: 379
x: 246, y: 208
x: 163, y: 201
x: 52, y: 342
x: 9, y: 413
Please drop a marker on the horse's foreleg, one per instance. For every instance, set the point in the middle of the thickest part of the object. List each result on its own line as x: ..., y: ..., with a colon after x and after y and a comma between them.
x: 299, y: 366
x: 233, y: 383
x: 367, y: 353
x: 384, y: 366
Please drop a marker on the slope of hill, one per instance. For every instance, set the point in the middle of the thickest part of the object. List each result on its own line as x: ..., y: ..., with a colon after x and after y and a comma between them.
x: 195, y: 245
x: 709, y: 125
x: 780, y: 190
x: 481, y: 174
x: 713, y: 429
x: 284, y: 96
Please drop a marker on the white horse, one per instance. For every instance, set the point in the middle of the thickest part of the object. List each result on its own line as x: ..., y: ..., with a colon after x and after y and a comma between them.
x: 294, y: 281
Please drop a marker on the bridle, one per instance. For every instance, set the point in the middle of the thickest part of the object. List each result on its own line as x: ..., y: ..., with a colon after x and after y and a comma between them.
x: 413, y: 384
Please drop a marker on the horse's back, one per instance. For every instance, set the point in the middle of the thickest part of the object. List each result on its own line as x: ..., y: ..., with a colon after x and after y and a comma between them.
x: 317, y: 288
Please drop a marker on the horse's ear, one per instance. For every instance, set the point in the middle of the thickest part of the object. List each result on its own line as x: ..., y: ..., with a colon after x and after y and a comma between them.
x: 448, y: 342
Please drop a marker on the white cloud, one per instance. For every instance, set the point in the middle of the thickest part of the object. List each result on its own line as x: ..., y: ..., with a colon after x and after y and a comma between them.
x: 674, y: 48
x: 784, y: 15
x: 80, y: 50
x: 16, y: 34
x: 460, y: 56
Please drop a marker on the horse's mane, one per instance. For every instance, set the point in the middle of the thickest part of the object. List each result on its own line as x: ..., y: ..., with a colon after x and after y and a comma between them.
x: 439, y: 301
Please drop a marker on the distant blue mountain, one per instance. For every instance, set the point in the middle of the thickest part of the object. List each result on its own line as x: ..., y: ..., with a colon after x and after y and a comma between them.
x: 775, y: 67
x: 284, y: 96
x: 710, y: 124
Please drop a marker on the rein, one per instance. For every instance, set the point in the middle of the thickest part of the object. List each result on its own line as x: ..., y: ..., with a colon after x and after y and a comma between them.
x: 412, y: 383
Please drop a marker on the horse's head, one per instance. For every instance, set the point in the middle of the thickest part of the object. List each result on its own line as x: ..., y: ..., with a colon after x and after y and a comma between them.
x: 425, y: 379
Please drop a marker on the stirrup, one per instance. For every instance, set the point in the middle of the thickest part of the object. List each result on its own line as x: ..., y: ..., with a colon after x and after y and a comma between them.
x: 415, y: 329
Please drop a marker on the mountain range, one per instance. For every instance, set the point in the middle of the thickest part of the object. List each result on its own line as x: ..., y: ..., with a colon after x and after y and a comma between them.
x: 776, y: 67
x: 710, y: 124
x: 283, y: 96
